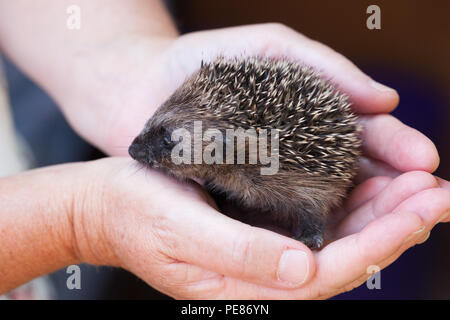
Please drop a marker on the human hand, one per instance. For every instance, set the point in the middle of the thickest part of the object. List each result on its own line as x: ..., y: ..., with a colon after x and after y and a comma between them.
x: 110, y: 212
x: 180, y: 244
x: 118, y: 86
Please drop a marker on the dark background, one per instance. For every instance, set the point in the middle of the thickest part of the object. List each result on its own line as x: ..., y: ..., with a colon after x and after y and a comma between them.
x: 410, y: 53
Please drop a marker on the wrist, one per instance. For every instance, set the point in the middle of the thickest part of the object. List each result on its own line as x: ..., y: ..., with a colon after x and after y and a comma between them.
x: 91, y: 212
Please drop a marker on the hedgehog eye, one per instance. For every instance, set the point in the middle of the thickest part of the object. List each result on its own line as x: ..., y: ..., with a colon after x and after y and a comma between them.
x: 167, y: 141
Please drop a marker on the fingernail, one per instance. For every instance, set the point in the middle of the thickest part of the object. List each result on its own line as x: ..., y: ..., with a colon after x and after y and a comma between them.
x: 444, y: 216
x: 380, y: 87
x: 425, y: 239
x: 415, y: 234
x: 293, y: 268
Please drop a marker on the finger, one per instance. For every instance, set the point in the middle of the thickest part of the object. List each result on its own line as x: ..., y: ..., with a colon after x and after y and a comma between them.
x: 210, y: 240
x: 369, y: 167
x: 344, y: 260
x: 365, y: 192
x: 391, y: 196
x: 277, y: 40
x: 433, y: 205
x: 366, y: 94
x: 360, y: 195
x: 182, y: 280
x: 385, y: 242
x: 430, y: 215
x: 404, y: 148
x: 445, y: 185
x: 418, y: 237
x: 186, y: 281
x: 439, y: 200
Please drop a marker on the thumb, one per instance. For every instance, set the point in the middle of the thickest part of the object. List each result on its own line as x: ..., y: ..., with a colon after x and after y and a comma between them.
x: 218, y: 243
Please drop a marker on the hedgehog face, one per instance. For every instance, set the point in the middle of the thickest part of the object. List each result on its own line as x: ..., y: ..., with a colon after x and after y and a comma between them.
x: 162, y: 146
x: 152, y: 147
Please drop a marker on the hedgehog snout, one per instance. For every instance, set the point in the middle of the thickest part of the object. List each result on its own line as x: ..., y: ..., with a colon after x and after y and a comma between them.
x: 140, y: 152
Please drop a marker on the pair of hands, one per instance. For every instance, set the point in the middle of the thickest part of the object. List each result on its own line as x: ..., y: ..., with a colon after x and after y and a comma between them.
x: 171, y: 235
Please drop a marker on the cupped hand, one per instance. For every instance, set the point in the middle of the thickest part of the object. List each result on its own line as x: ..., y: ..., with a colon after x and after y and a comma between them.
x: 119, y: 85
x: 195, y: 252
x: 171, y: 235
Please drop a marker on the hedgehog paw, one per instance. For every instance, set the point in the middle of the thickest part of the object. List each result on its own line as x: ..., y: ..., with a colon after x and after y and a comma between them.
x: 311, y: 241
x: 310, y: 232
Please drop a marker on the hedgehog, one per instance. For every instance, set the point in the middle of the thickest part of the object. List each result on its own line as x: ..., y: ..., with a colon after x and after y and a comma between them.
x: 307, y: 123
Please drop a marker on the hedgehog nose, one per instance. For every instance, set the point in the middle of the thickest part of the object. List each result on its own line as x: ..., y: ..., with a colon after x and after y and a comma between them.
x: 137, y: 151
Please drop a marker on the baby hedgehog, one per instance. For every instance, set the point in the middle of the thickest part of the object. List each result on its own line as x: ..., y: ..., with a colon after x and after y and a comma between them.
x: 316, y: 137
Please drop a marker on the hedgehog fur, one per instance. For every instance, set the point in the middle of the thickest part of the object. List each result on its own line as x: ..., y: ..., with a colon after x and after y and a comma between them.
x: 319, y: 140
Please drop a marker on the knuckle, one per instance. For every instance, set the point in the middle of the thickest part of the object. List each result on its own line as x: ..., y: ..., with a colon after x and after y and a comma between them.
x: 378, y: 182
x: 427, y: 178
x: 277, y: 28
x: 181, y: 281
x: 166, y: 238
x: 242, y: 253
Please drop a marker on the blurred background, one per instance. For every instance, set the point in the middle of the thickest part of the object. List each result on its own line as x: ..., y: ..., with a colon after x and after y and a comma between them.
x: 410, y: 53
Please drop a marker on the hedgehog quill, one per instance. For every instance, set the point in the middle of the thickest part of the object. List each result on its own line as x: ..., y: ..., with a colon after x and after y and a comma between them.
x: 316, y: 134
